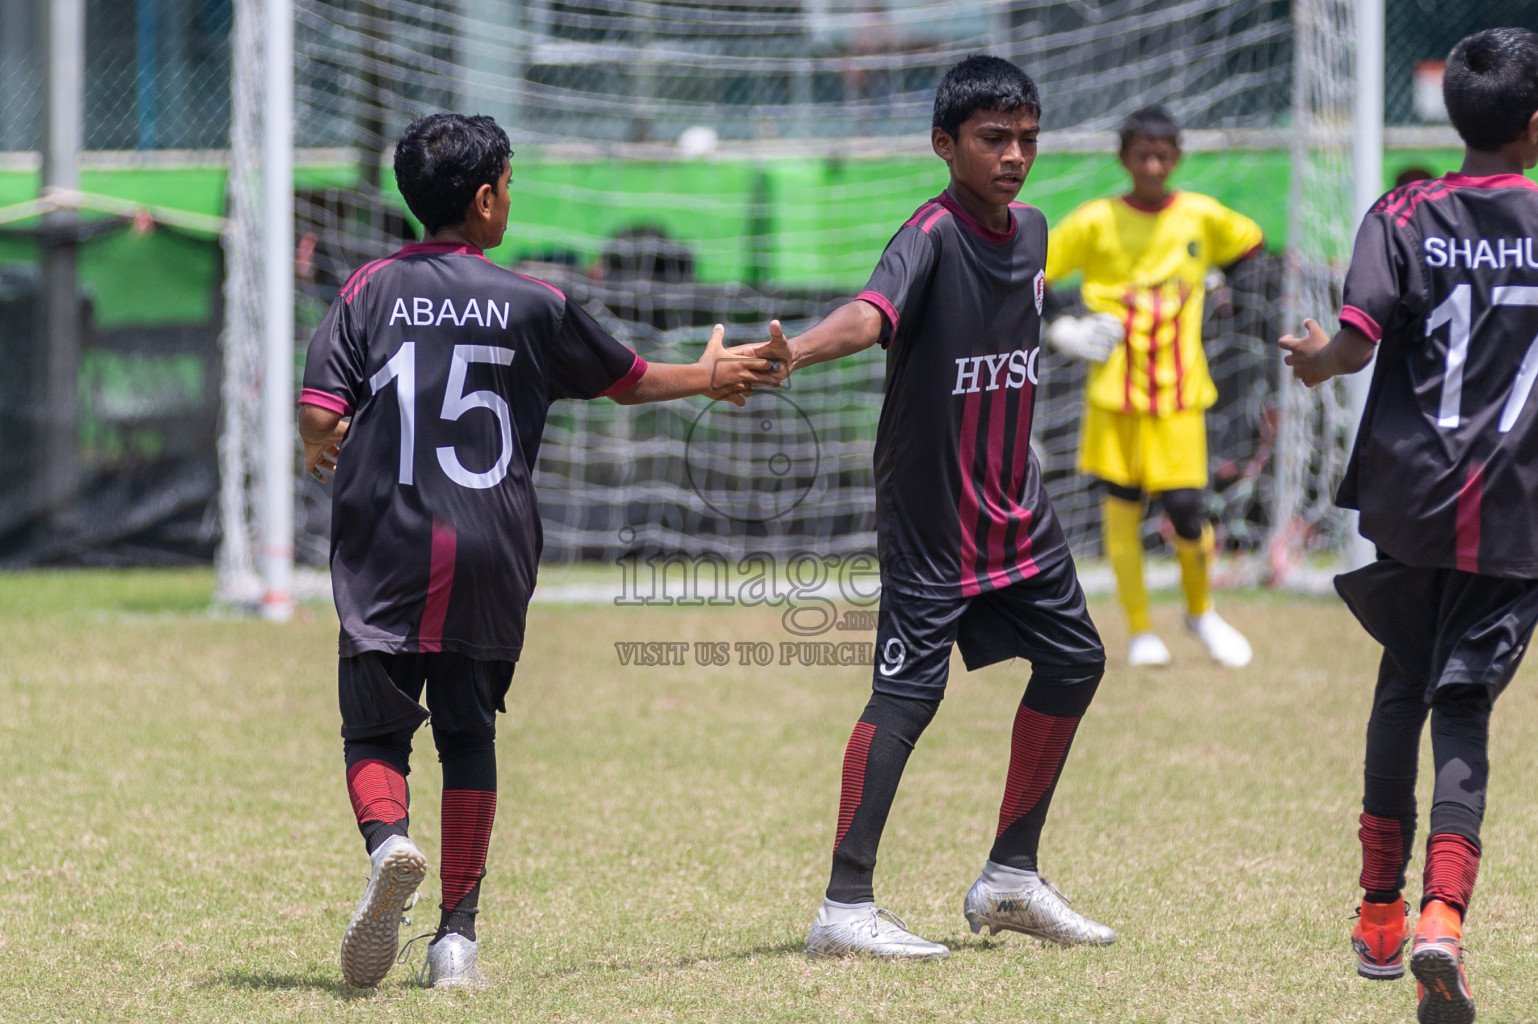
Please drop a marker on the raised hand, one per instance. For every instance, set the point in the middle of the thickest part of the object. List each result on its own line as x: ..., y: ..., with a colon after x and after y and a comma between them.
x: 735, y: 372
x: 1310, y: 355
x: 776, y: 350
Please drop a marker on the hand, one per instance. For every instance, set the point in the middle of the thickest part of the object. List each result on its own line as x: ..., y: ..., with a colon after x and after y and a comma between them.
x: 1091, y: 338
x: 776, y: 350
x: 735, y: 372
x: 320, y: 456
x: 1309, y: 355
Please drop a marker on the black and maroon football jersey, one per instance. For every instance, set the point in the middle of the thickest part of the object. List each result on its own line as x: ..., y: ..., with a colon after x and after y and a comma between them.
x: 447, y: 365
x: 960, y: 508
x: 1445, y: 470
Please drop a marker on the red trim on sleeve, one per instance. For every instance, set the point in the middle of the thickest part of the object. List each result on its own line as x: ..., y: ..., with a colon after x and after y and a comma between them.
x: 636, y: 372
x: 1350, y: 316
x: 1252, y: 250
x: 882, y: 303
x: 325, y: 400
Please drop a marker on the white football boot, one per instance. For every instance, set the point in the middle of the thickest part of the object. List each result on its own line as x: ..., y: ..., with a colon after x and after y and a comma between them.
x: 451, y: 963
x: 1010, y: 899
x: 373, y: 934
x: 1147, y: 649
x: 862, y: 929
x: 1225, y: 643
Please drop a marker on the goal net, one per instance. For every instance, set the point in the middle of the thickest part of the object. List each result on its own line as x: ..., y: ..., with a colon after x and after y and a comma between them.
x: 679, y: 164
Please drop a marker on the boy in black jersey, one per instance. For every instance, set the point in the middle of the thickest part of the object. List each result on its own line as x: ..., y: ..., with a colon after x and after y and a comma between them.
x: 970, y: 550
x: 426, y: 390
x: 1444, y: 281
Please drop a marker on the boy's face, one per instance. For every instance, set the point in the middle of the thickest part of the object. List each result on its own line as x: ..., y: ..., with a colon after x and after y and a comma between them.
x: 991, y: 154
x: 1150, y: 161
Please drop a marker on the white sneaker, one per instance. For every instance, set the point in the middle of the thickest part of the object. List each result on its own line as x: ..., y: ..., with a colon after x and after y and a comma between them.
x: 1225, y: 643
x: 451, y: 963
x: 1147, y: 649
x: 374, y: 933
x: 861, y: 929
x: 1011, y: 899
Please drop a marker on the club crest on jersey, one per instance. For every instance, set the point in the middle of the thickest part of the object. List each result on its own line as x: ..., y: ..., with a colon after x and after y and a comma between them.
x: 1040, y: 285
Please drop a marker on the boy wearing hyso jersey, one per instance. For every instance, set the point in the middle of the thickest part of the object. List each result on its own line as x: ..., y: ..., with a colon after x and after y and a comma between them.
x: 446, y: 365
x: 1444, y: 283
x: 970, y: 551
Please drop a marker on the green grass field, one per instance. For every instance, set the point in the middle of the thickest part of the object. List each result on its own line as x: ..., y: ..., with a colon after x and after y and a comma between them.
x: 176, y: 842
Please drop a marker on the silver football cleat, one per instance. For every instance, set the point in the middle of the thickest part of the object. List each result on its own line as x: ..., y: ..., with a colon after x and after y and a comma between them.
x: 451, y: 963
x: 863, y: 929
x: 1032, y: 906
x: 373, y: 934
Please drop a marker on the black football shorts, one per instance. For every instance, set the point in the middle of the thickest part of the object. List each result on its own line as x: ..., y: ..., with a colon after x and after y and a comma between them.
x: 1042, y: 619
x: 1444, y: 626
x: 380, y: 693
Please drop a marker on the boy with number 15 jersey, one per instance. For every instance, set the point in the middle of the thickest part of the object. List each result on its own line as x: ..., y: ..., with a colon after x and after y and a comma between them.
x: 444, y: 367
x: 1444, y: 281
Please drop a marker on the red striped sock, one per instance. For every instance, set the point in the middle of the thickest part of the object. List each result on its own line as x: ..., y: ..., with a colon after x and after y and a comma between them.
x: 1383, y: 853
x: 1037, y: 749
x: 854, y: 777
x: 1452, y: 865
x: 377, y: 790
x: 467, y: 818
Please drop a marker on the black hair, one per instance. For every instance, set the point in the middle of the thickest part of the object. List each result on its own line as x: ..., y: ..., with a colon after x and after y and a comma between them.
x: 981, y: 82
x: 1490, y: 86
x: 442, y: 160
x: 1154, y: 122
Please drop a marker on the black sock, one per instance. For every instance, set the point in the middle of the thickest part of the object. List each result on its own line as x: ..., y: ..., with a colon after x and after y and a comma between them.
x: 873, y: 765
x: 461, y: 919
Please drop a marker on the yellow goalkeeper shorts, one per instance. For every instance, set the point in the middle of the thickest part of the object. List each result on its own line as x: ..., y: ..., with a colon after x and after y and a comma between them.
x: 1152, y: 453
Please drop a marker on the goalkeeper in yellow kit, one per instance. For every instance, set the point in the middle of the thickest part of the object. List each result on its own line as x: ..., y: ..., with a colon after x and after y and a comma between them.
x: 1145, y: 258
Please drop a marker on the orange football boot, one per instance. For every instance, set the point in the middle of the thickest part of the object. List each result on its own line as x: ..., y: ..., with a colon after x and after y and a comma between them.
x: 1379, y: 937
x: 1436, y: 959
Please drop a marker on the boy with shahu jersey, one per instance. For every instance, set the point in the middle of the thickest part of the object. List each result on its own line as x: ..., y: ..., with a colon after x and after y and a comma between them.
x: 971, y: 553
x: 425, y: 391
x: 1145, y: 257
x: 1445, y: 474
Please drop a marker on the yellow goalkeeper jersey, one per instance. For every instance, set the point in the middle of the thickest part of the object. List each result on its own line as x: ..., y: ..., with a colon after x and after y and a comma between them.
x: 1147, y: 267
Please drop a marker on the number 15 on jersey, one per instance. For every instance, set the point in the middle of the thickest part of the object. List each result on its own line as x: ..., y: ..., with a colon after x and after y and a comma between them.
x: 402, y: 369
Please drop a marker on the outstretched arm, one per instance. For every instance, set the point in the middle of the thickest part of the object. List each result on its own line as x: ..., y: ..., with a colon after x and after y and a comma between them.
x: 718, y: 374
x: 852, y: 327
x: 1316, y: 357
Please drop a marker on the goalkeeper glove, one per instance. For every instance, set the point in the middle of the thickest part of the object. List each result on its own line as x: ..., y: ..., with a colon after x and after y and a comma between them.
x: 1090, y: 338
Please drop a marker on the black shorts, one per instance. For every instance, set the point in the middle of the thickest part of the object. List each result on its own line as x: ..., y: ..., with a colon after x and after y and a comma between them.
x: 380, y: 693
x: 1042, y: 619
x: 1443, y: 626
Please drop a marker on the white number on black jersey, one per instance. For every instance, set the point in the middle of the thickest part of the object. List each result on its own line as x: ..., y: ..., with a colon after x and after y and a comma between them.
x: 402, y: 369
